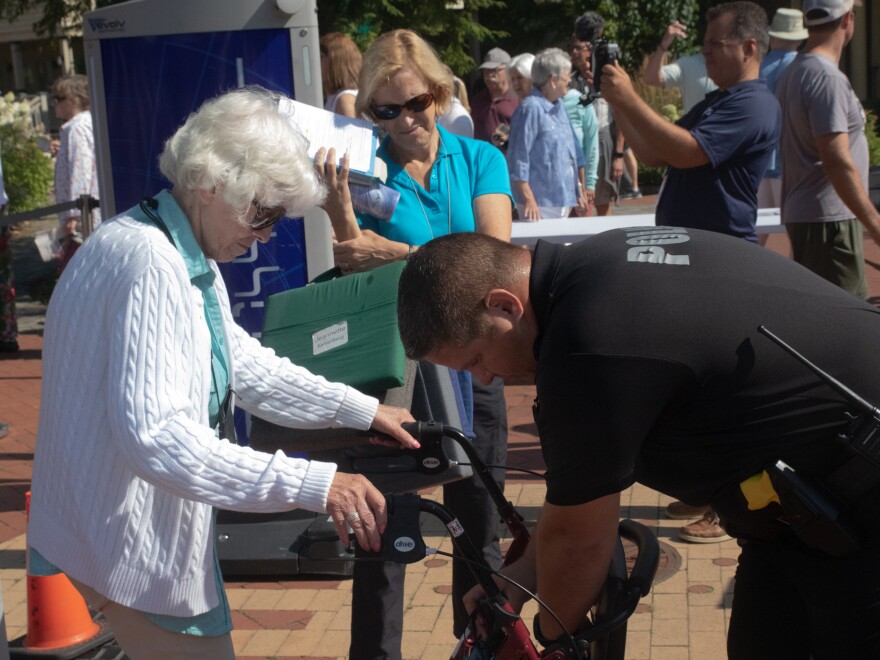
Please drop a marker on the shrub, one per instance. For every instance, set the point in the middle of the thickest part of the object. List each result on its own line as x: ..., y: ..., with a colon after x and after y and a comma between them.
x: 667, y: 102
x: 27, y: 171
x: 871, y: 133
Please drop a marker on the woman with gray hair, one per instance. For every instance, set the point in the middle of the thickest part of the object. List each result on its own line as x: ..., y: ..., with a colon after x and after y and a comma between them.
x: 544, y: 156
x: 127, y: 472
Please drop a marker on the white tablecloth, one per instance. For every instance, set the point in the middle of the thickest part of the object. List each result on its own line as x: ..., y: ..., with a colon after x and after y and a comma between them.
x: 570, y: 230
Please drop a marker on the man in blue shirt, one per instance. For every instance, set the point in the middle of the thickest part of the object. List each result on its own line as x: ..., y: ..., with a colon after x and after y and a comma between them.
x: 717, y: 153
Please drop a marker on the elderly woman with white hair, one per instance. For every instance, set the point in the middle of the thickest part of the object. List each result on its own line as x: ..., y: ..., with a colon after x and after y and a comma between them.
x: 520, y: 73
x: 127, y: 471
x: 545, y: 158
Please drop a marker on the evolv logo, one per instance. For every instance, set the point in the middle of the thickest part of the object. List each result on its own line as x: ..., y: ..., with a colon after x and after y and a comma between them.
x: 106, y: 25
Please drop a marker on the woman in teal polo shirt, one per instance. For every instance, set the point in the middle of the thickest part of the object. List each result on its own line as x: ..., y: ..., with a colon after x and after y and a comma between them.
x: 447, y: 184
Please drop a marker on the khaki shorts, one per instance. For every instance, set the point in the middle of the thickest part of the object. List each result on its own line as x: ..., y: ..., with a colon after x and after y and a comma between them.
x: 141, y: 639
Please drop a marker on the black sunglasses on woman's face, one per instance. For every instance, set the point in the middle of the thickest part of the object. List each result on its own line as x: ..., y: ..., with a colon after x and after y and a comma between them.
x: 392, y: 110
x: 266, y: 216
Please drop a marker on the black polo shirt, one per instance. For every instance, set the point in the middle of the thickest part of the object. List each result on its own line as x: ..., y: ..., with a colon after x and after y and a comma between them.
x: 650, y: 367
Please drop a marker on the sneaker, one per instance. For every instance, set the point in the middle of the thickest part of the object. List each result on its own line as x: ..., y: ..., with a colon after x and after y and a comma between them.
x: 681, y: 511
x: 632, y: 194
x: 707, y: 529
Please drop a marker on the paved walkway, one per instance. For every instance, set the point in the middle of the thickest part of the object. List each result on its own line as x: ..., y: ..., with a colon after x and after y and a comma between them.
x: 685, y: 616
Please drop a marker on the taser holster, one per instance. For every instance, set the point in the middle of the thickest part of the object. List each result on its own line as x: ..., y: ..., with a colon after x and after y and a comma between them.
x: 814, y: 517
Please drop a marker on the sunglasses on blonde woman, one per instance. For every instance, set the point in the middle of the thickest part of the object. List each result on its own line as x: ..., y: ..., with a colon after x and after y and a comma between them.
x: 266, y: 216
x: 392, y: 110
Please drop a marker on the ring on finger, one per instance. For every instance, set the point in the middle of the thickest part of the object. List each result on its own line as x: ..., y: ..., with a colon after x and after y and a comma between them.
x: 351, y: 517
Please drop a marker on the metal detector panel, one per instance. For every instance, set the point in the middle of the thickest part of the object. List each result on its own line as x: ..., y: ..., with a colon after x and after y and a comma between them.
x: 291, y: 543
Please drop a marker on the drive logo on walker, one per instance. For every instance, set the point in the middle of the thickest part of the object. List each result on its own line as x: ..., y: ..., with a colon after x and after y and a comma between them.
x: 330, y: 337
x: 404, y: 544
x: 647, y: 242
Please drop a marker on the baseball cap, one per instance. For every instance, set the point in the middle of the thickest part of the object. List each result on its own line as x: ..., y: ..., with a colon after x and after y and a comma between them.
x: 818, y: 12
x: 788, y: 24
x: 495, y: 58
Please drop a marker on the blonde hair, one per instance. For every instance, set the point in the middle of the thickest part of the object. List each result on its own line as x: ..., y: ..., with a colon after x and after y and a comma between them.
x: 343, y: 62
x: 394, y: 52
x: 460, y: 91
x: 240, y: 144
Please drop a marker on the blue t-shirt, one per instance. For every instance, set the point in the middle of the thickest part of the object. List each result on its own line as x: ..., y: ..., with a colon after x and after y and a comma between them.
x: 544, y: 151
x: 738, y: 129
x: 463, y: 170
x: 772, y: 67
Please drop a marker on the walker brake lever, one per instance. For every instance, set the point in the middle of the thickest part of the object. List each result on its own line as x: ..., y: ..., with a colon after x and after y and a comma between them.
x: 429, y: 458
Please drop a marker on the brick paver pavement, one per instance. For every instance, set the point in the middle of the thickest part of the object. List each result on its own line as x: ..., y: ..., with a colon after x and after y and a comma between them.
x: 685, y: 616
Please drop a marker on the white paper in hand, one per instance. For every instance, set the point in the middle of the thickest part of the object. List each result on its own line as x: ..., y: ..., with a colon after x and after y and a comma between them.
x: 322, y: 128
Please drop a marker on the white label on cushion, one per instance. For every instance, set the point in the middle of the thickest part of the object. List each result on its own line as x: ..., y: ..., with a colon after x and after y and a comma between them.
x: 335, y: 335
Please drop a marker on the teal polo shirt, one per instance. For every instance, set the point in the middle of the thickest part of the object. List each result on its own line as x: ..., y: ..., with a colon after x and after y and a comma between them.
x: 463, y: 170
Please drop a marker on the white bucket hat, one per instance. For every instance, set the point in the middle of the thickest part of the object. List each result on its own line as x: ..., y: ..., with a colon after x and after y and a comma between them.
x: 788, y: 24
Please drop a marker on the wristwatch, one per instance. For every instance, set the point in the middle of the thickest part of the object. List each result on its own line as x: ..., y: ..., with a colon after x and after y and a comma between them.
x: 617, y: 154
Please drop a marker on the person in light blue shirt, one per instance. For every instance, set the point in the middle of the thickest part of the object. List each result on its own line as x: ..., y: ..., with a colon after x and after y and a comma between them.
x: 586, y: 128
x: 787, y: 33
x: 544, y: 155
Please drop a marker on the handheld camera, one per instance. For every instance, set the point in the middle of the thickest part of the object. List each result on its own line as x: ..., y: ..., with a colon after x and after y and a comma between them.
x: 604, y: 52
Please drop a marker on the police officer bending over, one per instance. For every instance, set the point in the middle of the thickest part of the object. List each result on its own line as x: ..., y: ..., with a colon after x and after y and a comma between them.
x: 649, y: 367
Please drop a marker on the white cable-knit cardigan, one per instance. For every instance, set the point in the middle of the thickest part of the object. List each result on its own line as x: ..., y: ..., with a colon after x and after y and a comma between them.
x: 126, y: 467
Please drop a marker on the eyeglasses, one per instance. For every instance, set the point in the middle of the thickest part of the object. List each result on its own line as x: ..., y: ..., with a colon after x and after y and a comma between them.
x: 59, y: 99
x: 714, y: 44
x: 266, y: 216
x: 392, y: 110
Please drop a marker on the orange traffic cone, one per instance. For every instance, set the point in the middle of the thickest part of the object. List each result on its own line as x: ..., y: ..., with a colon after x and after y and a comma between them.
x: 59, y: 623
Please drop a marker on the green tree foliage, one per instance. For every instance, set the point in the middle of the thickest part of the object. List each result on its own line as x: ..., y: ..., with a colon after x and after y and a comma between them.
x: 27, y: 172
x: 636, y: 25
x: 56, y: 13
x: 454, y: 33
x: 872, y: 133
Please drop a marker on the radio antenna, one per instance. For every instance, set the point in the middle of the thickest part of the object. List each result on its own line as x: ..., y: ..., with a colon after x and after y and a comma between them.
x: 826, y: 377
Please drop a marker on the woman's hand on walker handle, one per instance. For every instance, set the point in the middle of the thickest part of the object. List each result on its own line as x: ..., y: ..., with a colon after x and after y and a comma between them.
x: 354, y: 502
x: 388, y: 421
